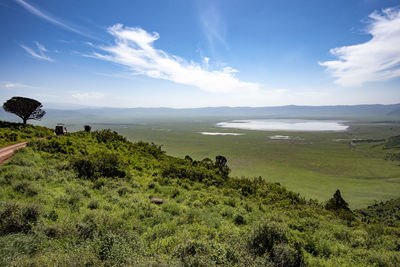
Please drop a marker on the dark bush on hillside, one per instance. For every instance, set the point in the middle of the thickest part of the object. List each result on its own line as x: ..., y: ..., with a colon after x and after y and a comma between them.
x: 25, y: 188
x: 337, y: 202
x: 264, y: 237
x: 387, y: 213
x: 93, y: 205
x: 340, y: 207
x: 192, y: 172
x: 239, y: 220
x: 53, y: 231
x: 87, y: 228
x: 14, y: 245
x: 10, y: 137
x: 108, y: 136
x: 87, y: 128
x: 51, y: 215
x: 115, y: 249
x: 16, y: 218
x: 149, y: 149
x: 206, y: 162
x: 204, y: 171
x: 189, y: 249
x: 270, y: 240
x: 99, y: 165
x: 246, y: 186
x: 283, y: 255
x: 53, y: 146
x: 188, y: 158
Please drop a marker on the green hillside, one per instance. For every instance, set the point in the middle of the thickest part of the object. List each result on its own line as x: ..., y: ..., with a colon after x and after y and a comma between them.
x: 85, y: 199
x: 11, y: 132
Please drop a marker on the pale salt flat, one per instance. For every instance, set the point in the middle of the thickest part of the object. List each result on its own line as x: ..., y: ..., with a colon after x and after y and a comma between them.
x: 208, y: 133
x: 285, y: 125
x: 279, y: 137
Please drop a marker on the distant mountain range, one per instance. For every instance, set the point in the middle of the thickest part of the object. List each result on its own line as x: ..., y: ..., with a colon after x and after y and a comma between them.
x: 119, y: 115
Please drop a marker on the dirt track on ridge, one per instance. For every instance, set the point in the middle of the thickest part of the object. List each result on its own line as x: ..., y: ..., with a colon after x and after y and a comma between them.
x: 7, y: 151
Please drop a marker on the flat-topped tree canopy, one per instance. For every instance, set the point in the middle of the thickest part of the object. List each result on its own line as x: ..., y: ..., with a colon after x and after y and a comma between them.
x: 25, y: 108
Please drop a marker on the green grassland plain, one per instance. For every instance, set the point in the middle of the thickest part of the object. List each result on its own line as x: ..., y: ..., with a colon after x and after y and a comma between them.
x: 313, y: 164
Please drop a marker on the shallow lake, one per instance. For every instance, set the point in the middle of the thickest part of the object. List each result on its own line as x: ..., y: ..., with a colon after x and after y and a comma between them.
x: 285, y: 125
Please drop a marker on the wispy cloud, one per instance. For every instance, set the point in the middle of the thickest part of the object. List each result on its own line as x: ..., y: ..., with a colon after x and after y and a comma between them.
x: 50, y: 18
x: 134, y: 49
x: 89, y: 95
x: 10, y: 85
x: 212, y: 23
x: 40, y: 54
x: 375, y: 60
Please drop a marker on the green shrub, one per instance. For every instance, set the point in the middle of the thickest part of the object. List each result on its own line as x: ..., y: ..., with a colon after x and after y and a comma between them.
x: 189, y: 249
x: 113, y: 249
x: 51, y: 215
x: 53, y: 231
x: 264, y: 237
x: 26, y: 189
x: 108, y: 136
x: 122, y: 191
x: 239, y: 220
x: 87, y: 228
x: 13, y: 246
x: 93, y: 205
x: 16, y: 218
x: 284, y: 255
x: 100, y: 164
x: 99, y: 183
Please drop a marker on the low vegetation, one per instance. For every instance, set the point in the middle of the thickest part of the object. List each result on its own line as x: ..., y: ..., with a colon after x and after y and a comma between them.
x: 11, y: 133
x: 84, y: 199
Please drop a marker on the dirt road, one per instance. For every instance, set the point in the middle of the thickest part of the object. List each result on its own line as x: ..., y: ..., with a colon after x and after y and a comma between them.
x: 7, y: 151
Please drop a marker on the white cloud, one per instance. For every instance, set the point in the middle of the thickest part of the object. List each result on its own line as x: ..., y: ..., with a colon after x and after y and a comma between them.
x: 90, y: 95
x: 40, y: 54
x: 134, y: 49
x: 375, y: 60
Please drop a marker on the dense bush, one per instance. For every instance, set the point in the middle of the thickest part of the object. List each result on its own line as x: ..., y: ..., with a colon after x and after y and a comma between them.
x: 264, y: 237
x: 205, y: 171
x: 98, y: 165
x: 15, y: 218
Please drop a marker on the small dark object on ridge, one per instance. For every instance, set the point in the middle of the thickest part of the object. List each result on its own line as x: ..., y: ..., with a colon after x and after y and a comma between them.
x: 60, y: 129
x: 87, y: 128
x: 157, y: 200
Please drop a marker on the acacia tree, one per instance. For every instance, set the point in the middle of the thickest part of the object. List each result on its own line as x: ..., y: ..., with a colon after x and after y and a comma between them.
x: 25, y: 108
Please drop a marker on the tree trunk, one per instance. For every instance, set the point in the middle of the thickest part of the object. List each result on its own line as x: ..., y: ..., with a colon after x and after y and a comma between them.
x: 24, y: 120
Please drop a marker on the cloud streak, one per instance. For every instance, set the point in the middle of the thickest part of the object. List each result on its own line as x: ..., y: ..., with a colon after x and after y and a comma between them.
x: 40, y: 54
x: 86, y: 96
x: 375, y: 60
x: 212, y: 24
x: 41, y: 14
x: 10, y: 85
x: 133, y: 48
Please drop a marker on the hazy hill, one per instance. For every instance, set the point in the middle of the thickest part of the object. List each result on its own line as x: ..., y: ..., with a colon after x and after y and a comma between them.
x: 115, y: 115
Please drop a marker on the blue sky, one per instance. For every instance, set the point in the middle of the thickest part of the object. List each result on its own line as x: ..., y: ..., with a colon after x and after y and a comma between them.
x: 181, y: 53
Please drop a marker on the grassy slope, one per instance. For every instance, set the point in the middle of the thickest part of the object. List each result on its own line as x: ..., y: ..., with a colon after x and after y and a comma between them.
x: 11, y: 133
x: 65, y: 219
x: 315, y: 166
